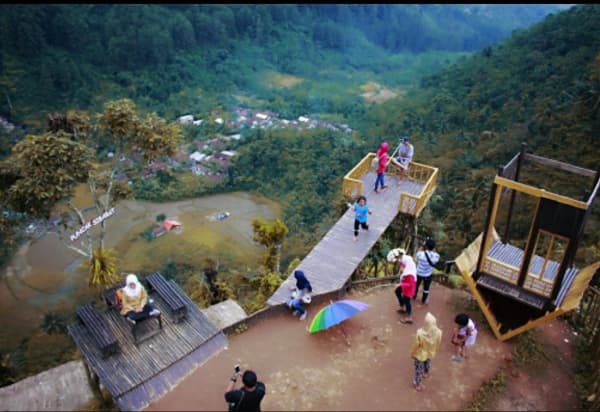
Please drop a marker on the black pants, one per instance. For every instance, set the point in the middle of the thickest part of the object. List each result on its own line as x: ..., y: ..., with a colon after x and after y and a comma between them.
x: 357, y: 224
x: 140, y: 315
x: 403, y: 301
x: 426, y: 284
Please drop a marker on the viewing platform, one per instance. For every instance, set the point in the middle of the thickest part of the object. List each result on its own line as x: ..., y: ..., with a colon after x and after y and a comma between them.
x: 137, y: 375
x: 330, y: 264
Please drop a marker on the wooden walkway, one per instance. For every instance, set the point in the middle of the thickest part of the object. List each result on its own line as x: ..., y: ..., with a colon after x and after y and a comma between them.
x: 330, y: 264
x: 136, y: 376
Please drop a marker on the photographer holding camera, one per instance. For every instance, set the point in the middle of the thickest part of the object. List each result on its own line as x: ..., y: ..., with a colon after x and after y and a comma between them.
x: 249, y: 396
x: 427, y: 258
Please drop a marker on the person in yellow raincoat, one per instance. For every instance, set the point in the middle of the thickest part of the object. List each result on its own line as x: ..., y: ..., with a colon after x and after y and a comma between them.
x: 424, y: 348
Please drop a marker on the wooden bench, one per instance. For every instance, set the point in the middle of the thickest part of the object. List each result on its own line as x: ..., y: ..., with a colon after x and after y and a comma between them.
x: 110, y: 297
x: 99, y: 329
x: 169, y: 295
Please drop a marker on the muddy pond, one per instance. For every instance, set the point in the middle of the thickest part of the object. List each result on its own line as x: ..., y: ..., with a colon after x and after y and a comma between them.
x: 44, y: 272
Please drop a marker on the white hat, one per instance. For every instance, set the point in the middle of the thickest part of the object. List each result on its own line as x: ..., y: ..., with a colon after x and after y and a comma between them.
x: 394, y: 254
x: 306, y: 299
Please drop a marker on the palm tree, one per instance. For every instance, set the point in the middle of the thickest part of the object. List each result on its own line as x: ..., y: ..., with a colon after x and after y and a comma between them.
x: 103, y: 268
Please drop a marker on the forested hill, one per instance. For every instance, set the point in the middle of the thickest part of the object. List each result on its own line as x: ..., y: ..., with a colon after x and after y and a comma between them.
x: 54, y: 57
x: 541, y: 87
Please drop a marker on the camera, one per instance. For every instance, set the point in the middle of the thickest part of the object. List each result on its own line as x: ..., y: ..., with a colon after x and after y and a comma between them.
x: 236, y: 369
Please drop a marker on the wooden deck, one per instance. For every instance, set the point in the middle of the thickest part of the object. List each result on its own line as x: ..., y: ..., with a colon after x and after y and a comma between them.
x: 507, y: 289
x: 136, y: 376
x: 504, y: 261
x: 330, y: 264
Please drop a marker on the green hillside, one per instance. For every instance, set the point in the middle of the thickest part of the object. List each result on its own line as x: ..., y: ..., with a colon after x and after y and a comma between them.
x: 177, y: 58
x: 466, y: 100
x: 541, y: 86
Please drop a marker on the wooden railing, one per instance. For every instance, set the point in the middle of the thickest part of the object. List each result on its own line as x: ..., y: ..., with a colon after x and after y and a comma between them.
x: 419, y: 173
x: 352, y: 185
x: 408, y: 203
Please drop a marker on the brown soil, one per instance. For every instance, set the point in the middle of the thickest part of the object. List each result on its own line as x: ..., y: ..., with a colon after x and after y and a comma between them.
x: 373, y: 369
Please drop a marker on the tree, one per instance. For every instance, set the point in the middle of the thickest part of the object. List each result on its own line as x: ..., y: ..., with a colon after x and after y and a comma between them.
x: 40, y: 175
x: 270, y: 235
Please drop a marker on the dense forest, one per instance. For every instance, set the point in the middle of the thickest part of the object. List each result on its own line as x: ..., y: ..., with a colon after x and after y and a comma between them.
x: 175, y: 58
x: 467, y: 108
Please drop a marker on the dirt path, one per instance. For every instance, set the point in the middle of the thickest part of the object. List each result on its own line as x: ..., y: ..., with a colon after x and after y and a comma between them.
x: 547, y: 386
x: 320, y: 371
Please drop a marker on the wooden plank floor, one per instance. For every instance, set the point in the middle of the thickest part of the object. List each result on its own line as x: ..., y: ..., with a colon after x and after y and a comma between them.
x: 329, y: 265
x: 513, y: 256
x: 133, y: 366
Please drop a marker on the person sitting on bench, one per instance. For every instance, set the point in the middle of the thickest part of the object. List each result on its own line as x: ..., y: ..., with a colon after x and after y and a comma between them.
x: 134, y: 300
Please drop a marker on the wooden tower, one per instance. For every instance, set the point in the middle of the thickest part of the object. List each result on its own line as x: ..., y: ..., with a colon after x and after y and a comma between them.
x: 525, y: 276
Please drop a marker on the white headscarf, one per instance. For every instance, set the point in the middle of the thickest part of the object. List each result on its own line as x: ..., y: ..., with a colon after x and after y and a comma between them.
x: 135, y: 291
x: 395, y: 254
x: 408, y: 263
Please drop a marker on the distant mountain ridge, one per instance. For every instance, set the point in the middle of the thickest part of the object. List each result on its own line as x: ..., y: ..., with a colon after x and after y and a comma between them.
x: 54, y: 57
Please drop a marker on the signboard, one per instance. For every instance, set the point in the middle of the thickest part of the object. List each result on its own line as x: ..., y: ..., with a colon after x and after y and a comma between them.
x: 95, y: 221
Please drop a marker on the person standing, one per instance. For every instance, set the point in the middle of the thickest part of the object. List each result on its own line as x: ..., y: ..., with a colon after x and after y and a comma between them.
x: 405, y: 290
x: 249, y: 396
x: 425, y: 345
x: 464, y: 335
x: 405, y: 155
x: 361, y: 211
x: 427, y: 257
x: 382, y: 155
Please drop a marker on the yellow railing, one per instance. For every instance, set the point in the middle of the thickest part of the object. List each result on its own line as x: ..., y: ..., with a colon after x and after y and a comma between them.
x: 408, y: 203
x: 353, y: 185
x: 420, y: 173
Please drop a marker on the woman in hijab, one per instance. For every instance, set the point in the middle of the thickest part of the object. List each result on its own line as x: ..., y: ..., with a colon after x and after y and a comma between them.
x: 301, y: 293
x: 424, y: 348
x: 382, y: 155
x: 134, y: 300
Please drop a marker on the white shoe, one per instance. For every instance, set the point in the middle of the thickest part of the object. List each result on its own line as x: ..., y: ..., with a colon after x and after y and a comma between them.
x: 155, y: 312
x: 295, y: 313
x: 130, y: 320
x: 304, y: 315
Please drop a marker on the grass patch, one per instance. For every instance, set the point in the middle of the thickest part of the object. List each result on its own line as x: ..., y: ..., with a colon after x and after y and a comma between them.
x: 528, y: 351
x: 275, y: 79
x: 488, y: 392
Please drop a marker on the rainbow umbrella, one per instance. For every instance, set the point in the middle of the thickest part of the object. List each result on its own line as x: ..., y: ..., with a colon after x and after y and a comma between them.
x: 335, y: 313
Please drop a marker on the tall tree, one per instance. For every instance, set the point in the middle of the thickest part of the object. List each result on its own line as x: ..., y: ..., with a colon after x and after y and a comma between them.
x: 43, y: 170
x: 270, y: 235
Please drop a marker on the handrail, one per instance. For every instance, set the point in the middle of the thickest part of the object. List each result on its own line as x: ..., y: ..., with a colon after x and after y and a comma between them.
x: 352, y: 185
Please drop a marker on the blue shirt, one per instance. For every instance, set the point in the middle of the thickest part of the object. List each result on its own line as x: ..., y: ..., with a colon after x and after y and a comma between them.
x: 361, y: 212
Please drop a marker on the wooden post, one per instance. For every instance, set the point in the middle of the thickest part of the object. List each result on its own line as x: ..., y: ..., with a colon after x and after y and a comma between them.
x: 414, y: 236
x: 505, y: 238
x: 486, y: 229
